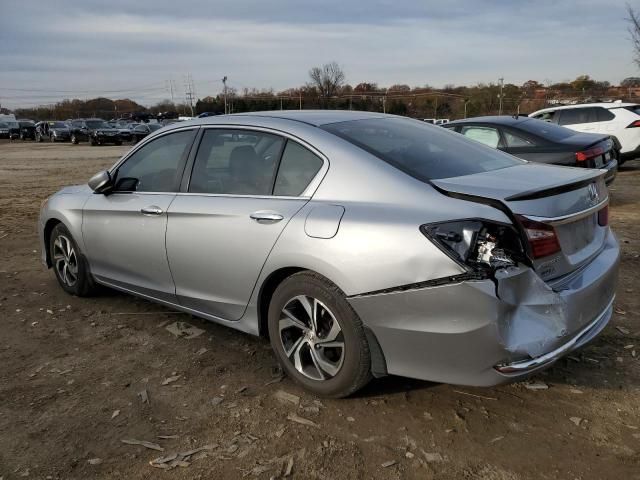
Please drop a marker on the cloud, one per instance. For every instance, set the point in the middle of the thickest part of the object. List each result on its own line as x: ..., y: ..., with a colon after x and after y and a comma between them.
x: 117, y: 45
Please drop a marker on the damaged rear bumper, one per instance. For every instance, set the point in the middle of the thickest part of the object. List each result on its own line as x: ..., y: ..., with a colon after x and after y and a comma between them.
x: 486, y: 332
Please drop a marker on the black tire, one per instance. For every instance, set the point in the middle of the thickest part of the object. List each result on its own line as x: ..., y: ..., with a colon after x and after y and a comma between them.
x: 74, y: 139
x: 38, y: 138
x: 355, y: 370
x: 52, y: 139
x: 84, y: 285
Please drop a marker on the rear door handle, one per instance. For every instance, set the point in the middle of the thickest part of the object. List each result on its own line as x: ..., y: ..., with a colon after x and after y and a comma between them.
x: 266, y: 217
x: 151, y: 211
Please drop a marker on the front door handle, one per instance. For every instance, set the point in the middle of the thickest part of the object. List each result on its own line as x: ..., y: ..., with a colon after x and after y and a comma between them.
x: 266, y: 217
x: 151, y: 210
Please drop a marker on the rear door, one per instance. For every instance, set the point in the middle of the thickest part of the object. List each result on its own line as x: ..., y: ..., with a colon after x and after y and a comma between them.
x: 244, y: 188
x: 581, y: 119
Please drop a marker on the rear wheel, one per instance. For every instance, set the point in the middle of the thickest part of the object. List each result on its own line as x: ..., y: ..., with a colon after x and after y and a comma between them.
x: 70, y: 266
x: 318, y: 338
x: 74, y: 139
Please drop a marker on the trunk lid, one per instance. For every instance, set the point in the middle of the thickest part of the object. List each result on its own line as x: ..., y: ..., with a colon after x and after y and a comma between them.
x: 566, y: 198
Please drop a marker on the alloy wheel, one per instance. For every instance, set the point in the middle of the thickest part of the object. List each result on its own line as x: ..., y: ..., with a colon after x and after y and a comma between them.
x: 311, y: 338
x: 65, y: 260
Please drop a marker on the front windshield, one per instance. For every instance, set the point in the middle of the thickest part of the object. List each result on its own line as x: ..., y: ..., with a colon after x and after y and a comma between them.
x: 546, y: 130
x: 97, y: 124
x: 13, y: 124
x: 154, y: 126
x: 3, y: 125
x: 57, y: 125
x: 26, y: 124
x: 421, y: 150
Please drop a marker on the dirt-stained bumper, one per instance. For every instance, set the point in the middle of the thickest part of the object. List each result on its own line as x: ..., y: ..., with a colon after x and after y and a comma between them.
x: 486, y: 332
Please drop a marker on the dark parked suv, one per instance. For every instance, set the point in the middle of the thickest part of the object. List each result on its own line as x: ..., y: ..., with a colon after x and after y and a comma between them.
x: 27, y: 129
x: 95, y: 131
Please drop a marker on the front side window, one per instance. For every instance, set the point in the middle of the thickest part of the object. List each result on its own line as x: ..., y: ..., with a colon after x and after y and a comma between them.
x: 156, y: 166
x: 236, y: 162
x: 297, y: 168
x: 551, y: 117
x: 423, y: 151
x: 487, y: 135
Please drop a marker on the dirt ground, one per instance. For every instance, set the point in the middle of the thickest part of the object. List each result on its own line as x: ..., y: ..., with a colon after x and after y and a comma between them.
x: 72, y: 371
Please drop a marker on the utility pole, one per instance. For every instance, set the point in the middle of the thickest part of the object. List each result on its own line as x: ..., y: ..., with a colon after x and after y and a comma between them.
x: 300, y: 98
x: 501, y: 87
x: 224, y: 82
x: 171, y: 92
x: 189, y: 92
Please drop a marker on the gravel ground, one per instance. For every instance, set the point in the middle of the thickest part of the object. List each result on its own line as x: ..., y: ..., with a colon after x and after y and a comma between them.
x: 79, y: 375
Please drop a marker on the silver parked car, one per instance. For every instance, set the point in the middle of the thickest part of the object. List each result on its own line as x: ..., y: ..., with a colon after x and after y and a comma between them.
x: 361, y: 244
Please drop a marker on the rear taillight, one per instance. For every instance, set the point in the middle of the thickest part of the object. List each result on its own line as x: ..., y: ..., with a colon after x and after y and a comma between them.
x: 635, y: 124
x: 477, y: 245
x: 588, y: 154
x: 603, y: 216
x: 542, y: 238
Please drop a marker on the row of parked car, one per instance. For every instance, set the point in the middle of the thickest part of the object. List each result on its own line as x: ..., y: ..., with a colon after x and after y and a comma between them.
x: 597, y: 135
x: 93, y: 130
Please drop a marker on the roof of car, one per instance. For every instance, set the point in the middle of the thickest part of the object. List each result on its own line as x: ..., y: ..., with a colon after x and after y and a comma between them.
x: 311, y: 117
x: 585, y: 105
x: 494, y: 119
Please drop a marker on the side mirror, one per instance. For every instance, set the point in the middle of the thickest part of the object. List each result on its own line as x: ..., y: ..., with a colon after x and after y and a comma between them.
x: 101, y: 182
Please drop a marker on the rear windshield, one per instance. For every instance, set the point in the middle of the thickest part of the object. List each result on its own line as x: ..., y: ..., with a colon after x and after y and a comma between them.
x: 421, y: 150
x: 546, y: 130
x: 633, y: 108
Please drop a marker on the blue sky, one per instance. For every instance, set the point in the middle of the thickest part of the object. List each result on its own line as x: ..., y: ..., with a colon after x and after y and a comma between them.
x: 64, y: 49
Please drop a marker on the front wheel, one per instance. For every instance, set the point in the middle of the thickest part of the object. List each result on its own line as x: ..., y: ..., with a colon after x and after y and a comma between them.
x: 74, y: 139
x: 318, y: 338
x: 70, y: 266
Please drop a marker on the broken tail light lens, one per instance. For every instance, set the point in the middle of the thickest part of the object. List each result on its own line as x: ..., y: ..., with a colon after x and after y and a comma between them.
x: 603, y: 216
x: 542, y: 238
x: 477, y: 244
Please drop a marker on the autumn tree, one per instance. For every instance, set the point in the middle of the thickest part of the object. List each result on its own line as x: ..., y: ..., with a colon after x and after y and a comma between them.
x: 327, y: 79
x: 634, y: 30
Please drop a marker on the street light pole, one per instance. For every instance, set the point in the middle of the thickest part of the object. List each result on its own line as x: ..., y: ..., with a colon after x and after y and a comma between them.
x: 501, y: 87
x: 224, y: 82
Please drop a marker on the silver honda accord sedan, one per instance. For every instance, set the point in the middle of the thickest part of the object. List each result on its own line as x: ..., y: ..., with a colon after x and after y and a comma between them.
x: 360, y: 244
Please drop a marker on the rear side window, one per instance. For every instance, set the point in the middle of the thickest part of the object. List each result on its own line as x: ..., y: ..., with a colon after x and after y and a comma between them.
x: 487, y: 135
x: 514, y: 141
x: 423, y: 151
x: 297, y: 168
x: 577, y: 116
x: 604, y: 115
x: 236, y: 162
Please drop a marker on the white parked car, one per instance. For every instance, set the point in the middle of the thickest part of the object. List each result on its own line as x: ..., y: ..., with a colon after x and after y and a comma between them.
x: 620, y: 120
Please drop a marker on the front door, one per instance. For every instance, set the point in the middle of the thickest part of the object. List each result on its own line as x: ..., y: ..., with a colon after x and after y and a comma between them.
x: 124, y: 231
x: 220, y: 233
